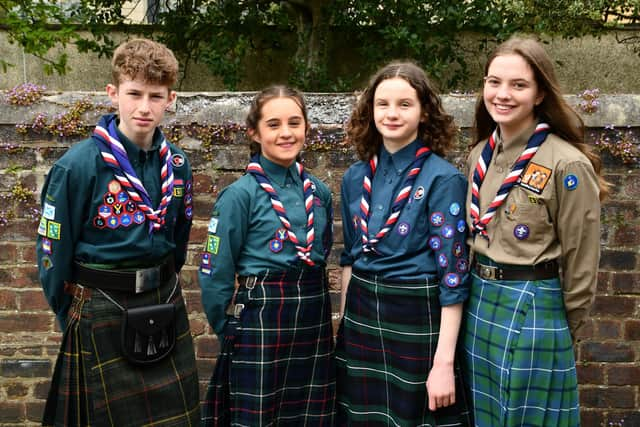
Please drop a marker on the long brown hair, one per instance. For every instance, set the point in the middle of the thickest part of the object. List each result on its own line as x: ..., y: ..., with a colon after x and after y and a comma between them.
x: 554, y: 110
x: 437, y: 130
x: 261, y: 98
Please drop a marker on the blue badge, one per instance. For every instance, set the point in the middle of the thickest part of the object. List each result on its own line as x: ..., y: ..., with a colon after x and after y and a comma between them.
x: 435, y: 243
x: 443, y: 261
x: 49, y: 211
x: 104, y: 211
x: 206, y: 271
x: 571, y: 182
x: 454, y: 209
x: 447, y: 231
x: 99, y: 222
x: 46, y: 246
x: 521, y: 231
x: 126, y: 220
x: 123, y: 197
x: 436, y: 219
x: 462, y: 265
x: 138, y: 217
x: 112, y: 222
x: 275, y: 245
x: 457, y: 249
x: 213, y: 225
x: 282, y: 234
x: 188, y: 199
x: 188, y: 212
x: 452, y: 280
x: 206, y: 259
x: 403, y: 228
x: 461, y: 226
x: 187, y: 186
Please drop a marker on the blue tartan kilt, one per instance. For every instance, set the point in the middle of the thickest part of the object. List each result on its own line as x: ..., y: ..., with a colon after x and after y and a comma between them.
x: 384, y: 351
x: 276, y: 364
x: 93, y: 384
x: 519, y: 354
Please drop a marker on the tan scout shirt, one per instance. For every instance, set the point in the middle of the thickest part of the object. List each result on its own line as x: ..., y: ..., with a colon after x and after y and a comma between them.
x: 562, y: 216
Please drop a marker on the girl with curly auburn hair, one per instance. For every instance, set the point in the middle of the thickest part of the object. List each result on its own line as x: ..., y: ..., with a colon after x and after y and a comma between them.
x: 405, y: 268
x: 534, y: 213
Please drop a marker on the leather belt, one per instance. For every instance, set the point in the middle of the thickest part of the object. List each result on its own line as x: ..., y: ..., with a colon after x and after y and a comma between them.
x: 131, y: 281
x: 542, y: 271
x: 234, y: 309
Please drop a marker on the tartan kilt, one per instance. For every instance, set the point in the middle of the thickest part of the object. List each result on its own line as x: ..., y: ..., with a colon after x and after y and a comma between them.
x: 519, y: 354
x: 94, y: 385
x: 276, y: 366
x: 384, y: 351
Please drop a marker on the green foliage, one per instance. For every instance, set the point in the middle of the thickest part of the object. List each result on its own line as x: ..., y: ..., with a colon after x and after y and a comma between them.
x: 226, y: 35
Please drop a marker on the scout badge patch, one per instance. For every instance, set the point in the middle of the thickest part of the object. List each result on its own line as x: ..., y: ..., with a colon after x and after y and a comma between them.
x: 535, y: 178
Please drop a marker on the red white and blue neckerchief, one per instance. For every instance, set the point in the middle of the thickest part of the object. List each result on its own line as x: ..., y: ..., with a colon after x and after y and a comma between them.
x: 303, y: 251
x: 536, y: 140
x: 368, y: 244
x: 115, y: 155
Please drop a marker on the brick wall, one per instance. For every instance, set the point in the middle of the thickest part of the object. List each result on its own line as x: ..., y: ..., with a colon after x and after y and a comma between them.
x: 608, y: 352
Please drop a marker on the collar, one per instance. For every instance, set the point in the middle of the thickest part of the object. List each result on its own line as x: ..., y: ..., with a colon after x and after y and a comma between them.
x: 278, y: 174
x: 134, y: 152
x: 401, y: 159
x: 512, y: 149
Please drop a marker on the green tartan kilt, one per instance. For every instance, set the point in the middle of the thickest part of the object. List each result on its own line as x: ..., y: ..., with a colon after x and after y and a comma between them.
x: 384, y: 352
x: 94, y: 385
x: 519, y: 354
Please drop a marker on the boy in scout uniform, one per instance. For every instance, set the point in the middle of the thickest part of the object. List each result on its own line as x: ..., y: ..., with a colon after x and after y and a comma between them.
x: 116, y: 216
x: 534, y: 211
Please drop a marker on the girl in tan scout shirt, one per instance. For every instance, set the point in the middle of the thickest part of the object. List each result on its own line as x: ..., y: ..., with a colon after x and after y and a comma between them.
x: 534, y: 211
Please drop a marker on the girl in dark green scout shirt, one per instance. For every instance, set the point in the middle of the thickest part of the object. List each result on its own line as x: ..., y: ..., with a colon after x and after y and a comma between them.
x: 116, y: 215
x: 404, y: 262
x: 271, y: 231
x: 533, y: 207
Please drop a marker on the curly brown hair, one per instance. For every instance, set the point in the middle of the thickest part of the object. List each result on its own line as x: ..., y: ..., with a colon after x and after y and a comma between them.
x: 436, y: 129
x: 554, y: 110
x: 261, y: 98
x: 144, y: 59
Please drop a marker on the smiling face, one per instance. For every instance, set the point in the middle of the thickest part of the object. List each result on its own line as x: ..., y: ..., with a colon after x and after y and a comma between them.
x: 281, y: 130
x: 511, y: 93
x: 396, y: 113
x: 141, y: 107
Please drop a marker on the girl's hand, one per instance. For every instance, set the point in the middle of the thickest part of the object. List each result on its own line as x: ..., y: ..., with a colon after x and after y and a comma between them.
x: 441, y: 386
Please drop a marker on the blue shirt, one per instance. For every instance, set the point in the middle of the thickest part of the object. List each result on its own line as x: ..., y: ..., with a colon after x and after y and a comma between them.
x: 428, y: 240
x: 245, y: 234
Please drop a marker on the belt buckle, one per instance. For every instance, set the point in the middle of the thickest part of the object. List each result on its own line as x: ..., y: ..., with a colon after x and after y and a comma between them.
x: 250, y: 283
x: 147, y: 279
x: 237, y: 310
x: 487, y: 272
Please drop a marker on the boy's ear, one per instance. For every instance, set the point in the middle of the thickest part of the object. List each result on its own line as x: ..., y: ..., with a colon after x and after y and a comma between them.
x: 112, y: 92
x: 173, y: 95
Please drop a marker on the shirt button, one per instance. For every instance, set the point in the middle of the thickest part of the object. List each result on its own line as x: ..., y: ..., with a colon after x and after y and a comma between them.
x: 298, y: 203
x: 500, y: 169
x: 389, y: 181
x: 379, y: 207
x: 365, y: 258
x: 288, y: 185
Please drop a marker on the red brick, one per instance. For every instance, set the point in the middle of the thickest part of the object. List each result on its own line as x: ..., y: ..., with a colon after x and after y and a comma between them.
x: 8, y: 299
x: 632, y: 187
x: 205, y: 370
x: 207, y: 347
x: 630, y: 418
x: 35, y: 411
x: 632, y: 330
x: 627, y: 235
x: 18, y: 230
x: 591, y: 418
x: 623, y: 375
x: 189, y: 279
x: 626, y: 283
x: 606, y: 352
x: 202, y: 184
x: 28, y: 254
x: 32, y: 300
x: 16, y: 390
x: 26, y: 322
x: 604, y: 279
x: 197, y: 327
x: 202, y: 208
x: 617, y: 260
x: 193, y: 302
x: 11, y: 412
x: 198, y: 234
x: 608, y: 397
x: 8, y: 253
x: 608, y: 329
x: 619, y: 306
x: 590, y: 373
x: 41, y: 390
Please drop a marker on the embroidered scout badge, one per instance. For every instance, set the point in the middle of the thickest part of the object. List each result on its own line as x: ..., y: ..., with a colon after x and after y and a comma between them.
x: 42, y: 227
x: 177, y: 160
x: 447, y: 231
x: 419, y: 194
x: 462, y: 265
x: 213, y: 225
x: 213, y: 244
x: 205, y: 264
x: 53, y: 230
x: 46, y: 246
x: 275, y: 245
x: 570, y: 182
x: 99, y: 222
x: 282, y: 234
x: 521, y: 231
x: 461, y: 226
x: 437, y: 219
x: 114, y: 187
x: 452, y: 280
x: 49, y: 211
x: 126, y: 220
x: 138, y: 217
x: 46, y: 262
x: 112, y: 222
x: 535, y: 178
x: 403, y: 228
x: 457, y: 249
x: 443, y: 261
x: 435, y: 243
x: 454, y: 208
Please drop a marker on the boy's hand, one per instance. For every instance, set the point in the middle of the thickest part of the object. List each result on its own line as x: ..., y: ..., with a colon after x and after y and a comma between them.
x: 441, y: 386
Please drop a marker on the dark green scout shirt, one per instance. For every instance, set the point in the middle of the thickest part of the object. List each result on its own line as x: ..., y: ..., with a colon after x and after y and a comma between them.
x: 84, y: 219
x: 428, y: 240
x: 243, y: 229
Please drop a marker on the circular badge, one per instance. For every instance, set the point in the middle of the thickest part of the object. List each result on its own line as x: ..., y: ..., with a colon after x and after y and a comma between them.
x: 282, y: 234
x: 122, y: 197
x: 570, y: 182
x: 461, y: 226
x: 462, y: 265
x: 177, y: 160
x: 452, y: 280
x: 130, y: 207
x: 419, y: 194
x: 403, y: 228
x: 125, y: 220
x: 114, y: 186
x: 447, y: 231
x: 188, y: 199
x: 457, y: 249
x: 454, y: 209
x: 188, y: 185
x: 436, y: 219
x: 275, y: 245
x: 109, y: 199
x: 521, y: 231
x: 138, y: 217
x: 112, y: 222
x: 188, y: 212
x: 104, y: 211
x: 443, y: 261
x: 435, y: 243
x: 99, y: 222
